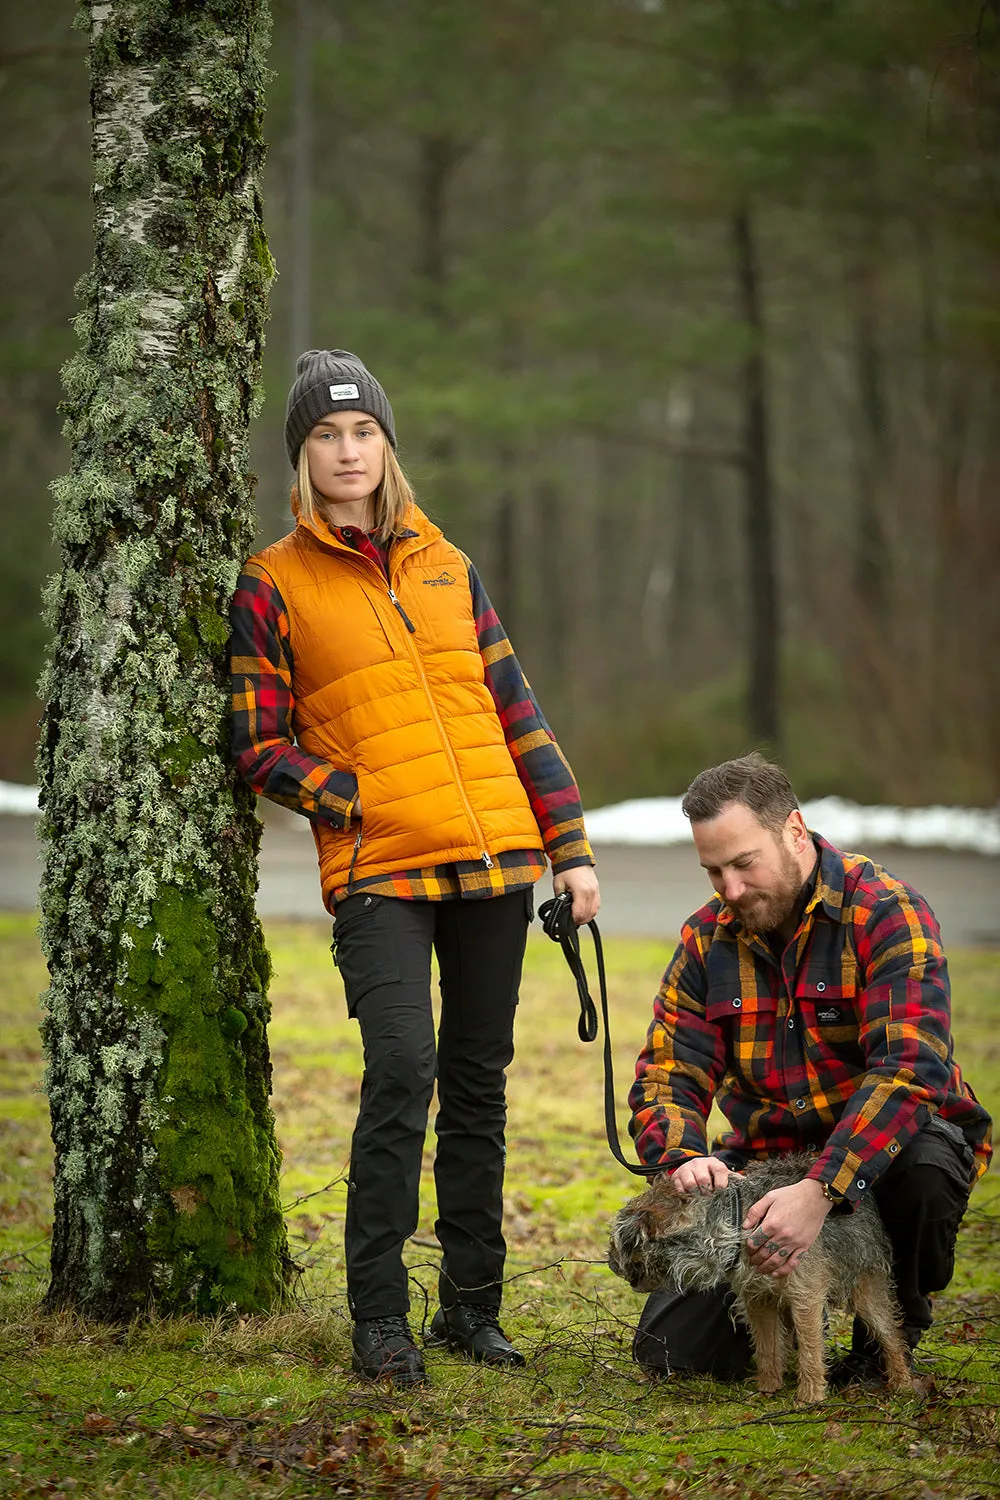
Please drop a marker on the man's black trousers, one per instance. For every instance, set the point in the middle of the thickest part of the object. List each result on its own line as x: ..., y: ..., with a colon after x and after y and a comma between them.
x: 921, y: 1198
x: 383, y: 949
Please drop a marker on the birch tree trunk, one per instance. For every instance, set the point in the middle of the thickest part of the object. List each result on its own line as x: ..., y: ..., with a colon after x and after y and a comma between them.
x: 166, y: 1185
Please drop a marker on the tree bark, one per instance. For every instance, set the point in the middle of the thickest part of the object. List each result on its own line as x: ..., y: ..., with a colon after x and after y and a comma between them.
x: 166, y: 1167
x: 763, y: 691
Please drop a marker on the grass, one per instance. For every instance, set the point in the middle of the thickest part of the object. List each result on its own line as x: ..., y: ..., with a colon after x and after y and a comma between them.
x: 267, y: 1406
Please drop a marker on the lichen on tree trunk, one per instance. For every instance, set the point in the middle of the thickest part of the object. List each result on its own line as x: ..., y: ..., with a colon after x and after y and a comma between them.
x: 166, y: 1179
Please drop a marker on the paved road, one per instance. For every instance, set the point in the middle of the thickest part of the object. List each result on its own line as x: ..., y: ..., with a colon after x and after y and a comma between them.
x: 645, y: 892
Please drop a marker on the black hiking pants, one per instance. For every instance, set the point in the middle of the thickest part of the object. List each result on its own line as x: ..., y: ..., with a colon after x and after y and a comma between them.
x: 383, y: 949
x: 921, y: 1197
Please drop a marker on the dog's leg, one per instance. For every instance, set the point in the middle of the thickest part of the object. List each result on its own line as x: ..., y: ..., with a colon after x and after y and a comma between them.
x: 767, y: 1330
x: 807, y: 1292
x: 873, y: 1302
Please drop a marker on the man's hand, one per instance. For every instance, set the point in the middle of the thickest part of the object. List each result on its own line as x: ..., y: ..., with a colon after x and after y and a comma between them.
x: 581, y: 882
x: 701, y: 1174
x: 783, y: 1224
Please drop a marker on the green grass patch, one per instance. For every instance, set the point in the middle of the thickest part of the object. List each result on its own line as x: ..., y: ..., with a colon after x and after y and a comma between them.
x: 268, y: 1406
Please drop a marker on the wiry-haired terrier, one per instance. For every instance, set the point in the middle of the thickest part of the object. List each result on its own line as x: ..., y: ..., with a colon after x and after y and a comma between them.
x: 695, y: 1242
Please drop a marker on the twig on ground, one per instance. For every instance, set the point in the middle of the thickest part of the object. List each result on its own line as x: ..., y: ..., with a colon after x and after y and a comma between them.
x: 318, y: 1192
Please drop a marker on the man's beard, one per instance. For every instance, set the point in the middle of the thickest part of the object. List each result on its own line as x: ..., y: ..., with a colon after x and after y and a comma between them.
x: 765, y: 911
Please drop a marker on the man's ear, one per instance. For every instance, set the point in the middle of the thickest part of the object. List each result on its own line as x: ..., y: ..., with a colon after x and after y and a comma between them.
x: 797, y: 832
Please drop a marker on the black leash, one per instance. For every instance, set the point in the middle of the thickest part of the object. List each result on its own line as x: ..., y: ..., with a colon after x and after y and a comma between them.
x: 557, y: 923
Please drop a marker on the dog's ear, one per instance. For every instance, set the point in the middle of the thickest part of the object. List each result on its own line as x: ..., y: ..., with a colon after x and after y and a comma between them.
x: 630, y: 1234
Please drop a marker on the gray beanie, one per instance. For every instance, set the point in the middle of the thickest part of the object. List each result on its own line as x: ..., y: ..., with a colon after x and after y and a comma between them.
x: 332, y: 380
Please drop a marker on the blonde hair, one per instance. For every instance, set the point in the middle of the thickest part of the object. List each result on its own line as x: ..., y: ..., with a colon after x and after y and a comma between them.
x: 391, y: 501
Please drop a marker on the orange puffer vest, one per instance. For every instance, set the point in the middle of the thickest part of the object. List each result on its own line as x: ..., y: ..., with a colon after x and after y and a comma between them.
x: 409, y: 713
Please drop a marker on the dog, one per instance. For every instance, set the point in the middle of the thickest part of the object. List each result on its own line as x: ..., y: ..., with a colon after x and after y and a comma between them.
x: 697, y: 1242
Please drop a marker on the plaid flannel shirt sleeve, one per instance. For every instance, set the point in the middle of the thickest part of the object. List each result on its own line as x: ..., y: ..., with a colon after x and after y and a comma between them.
x: 905, y: 1033
x: 262, y: 739
x: 681, y: 1065
x: 541, y: 766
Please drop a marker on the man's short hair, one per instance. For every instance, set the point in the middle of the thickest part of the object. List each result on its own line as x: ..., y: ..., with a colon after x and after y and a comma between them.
x: 751, y: 780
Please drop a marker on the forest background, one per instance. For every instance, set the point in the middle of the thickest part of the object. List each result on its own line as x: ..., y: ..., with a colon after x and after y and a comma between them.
x: 689, y: 315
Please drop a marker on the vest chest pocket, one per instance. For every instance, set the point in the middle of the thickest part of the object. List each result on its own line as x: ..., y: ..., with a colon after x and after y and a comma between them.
x: 336, y: 632
x: 438, y: 600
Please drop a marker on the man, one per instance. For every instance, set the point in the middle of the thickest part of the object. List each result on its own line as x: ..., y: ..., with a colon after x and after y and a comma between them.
x: 809, y: 999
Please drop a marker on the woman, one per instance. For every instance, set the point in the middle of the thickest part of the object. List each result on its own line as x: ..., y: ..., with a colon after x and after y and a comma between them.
x: 374, y: 691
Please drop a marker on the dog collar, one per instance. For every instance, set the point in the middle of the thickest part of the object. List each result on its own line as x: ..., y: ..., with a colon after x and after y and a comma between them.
x: 735, y: 1223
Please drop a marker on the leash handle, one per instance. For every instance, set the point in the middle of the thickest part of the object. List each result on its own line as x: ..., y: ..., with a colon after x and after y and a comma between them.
x: 557, y: 923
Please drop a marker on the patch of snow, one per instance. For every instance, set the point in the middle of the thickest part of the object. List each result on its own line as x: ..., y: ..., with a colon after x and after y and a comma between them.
x: 659, y: 820
x: 18, y: 799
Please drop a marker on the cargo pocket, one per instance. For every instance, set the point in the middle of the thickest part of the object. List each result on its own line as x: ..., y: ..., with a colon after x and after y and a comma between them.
x: 364, y: 946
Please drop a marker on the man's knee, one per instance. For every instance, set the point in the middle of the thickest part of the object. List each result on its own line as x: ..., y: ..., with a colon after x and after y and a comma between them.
x: 692, y: 1334
x: 922, y: 1192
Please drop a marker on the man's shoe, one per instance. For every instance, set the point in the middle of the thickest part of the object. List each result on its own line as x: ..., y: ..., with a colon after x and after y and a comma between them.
x: 856, y: 1368
x: 384, y: 1350
x: 864, y: 1365
x: 474, y: 1331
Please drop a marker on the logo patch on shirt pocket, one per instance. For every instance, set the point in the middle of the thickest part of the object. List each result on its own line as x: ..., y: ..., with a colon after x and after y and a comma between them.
x: 829, y: 1015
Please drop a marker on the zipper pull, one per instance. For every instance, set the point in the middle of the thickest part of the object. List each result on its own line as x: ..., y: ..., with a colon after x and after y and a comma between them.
x: 406, y: 619
x: 487, y: 861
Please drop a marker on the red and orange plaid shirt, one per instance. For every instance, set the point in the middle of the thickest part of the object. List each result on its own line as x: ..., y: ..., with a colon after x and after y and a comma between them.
x: 265, y: 752
x: 841, y: 1044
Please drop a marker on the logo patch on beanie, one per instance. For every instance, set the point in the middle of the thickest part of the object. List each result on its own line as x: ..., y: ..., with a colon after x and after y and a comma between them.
x: 344, y: 393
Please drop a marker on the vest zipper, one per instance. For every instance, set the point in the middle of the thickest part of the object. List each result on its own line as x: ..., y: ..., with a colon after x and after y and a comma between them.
x: 473, y: 821
x: 449, y: 752
x: 404, y: 616
x: 354, y: 859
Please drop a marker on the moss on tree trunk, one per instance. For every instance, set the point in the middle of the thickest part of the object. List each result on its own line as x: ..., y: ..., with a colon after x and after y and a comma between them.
x: 166, y: 1188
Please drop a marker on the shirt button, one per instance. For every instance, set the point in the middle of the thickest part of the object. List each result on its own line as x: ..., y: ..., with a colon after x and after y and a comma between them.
x: 861, y: 1184
x: 821, y: 986
x: 800, y: 1104
x: 791, y: 1023
x: 737, y: 1003
x: 368, y: 901
x: 893, y: 1148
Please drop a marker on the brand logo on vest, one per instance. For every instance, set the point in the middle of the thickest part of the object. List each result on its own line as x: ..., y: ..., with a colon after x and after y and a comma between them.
x: 442, y: 581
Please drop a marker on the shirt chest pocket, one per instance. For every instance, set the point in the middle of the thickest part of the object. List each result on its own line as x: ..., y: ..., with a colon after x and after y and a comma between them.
x: 828, y: 1013
x: 748, y: 1023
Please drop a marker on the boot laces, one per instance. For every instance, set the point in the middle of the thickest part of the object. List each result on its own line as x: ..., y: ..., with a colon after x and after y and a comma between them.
x: 392, y: 1328
x: 481, y: 1316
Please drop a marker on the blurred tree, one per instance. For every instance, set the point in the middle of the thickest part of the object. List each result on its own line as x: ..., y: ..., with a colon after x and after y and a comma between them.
x: 43, y: 203
x: 166, y: 1179
x: 536, y: 222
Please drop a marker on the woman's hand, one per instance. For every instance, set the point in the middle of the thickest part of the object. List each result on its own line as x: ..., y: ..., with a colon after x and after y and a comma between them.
x: 581, y: 882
